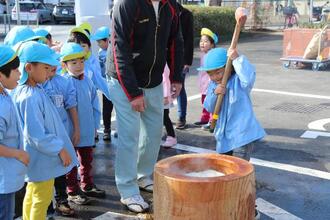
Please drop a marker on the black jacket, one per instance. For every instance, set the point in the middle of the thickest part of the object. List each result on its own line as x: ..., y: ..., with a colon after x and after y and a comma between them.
x: 140, y: 47
x: 187, y: 28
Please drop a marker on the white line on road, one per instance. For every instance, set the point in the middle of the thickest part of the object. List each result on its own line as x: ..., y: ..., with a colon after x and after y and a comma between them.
x: 319, y: 124
x: 264, y: 163
x: 314, y: 134
x: 274, y: 211
x: 305, y: 95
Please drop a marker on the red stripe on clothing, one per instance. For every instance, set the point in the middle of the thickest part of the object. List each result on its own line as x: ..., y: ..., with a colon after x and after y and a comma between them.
x: 172, y: 60
x: 116, y: 64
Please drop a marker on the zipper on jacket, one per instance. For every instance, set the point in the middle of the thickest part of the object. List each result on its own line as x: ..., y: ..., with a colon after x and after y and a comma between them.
x: 155, y: 44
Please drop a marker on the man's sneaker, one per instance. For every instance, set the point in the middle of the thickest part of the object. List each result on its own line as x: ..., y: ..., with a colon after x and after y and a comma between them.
x: 78, y: 198
x: 93, y: 191
x: 200, y: 123
x: 64, y: 209
x: 135, y: 203
x: 107, y: 137
x: 170, y: 142
x: 181, y: 124
x: 256, y: 215
x: 206, y: 127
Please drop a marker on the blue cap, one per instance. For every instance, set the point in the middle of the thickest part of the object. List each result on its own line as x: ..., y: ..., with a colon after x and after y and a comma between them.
x: 214, y: 59
x: 41, y: 32
x: 35, y: 52
x: 6, y: 55
x: 20, y: 34
x: 101, y: 33
x: 71, y: 51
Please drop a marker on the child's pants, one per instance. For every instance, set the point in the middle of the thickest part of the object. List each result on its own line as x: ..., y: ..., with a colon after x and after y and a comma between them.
x: 37, y: 199
x: 168, y: 123
x: 7, y: 206
x: 85, y: 157
x: 106, y: 114
x: 243, y: 152
x: 206, y: 116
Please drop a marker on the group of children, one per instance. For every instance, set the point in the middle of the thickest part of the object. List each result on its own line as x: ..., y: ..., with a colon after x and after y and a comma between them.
x: 48, y: 119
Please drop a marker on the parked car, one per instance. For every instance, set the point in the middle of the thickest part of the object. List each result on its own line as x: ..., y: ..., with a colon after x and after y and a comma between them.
x: 64, y: 12
x: 32, y: 11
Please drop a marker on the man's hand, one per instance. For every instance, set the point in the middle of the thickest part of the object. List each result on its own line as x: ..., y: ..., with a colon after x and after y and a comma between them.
x: 176, y: 89
x: 138, y: 104
x: 65, y: 157
x: 75, y: 137
x: 220, y: 89
x: 23, y: 157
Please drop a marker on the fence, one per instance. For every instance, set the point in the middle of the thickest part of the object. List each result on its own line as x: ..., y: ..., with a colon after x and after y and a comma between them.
x: 7, y: 22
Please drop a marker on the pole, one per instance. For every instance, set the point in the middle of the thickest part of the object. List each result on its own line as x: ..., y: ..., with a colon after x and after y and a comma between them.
x: 18, y: 10
x: 310, y: 11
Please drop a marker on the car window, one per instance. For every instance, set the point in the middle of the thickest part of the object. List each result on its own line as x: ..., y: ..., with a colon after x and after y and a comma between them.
x: 26, y: 7
x: 40, y: 6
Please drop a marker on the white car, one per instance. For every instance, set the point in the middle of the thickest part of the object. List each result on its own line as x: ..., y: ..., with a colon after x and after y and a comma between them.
x: 32, y: 11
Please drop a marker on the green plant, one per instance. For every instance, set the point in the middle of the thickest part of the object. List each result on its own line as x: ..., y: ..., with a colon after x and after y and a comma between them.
x: 312, y: 25
x: 220, y: 20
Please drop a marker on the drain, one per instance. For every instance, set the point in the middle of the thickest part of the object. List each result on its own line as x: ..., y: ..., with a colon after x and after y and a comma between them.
x: 299, y: 108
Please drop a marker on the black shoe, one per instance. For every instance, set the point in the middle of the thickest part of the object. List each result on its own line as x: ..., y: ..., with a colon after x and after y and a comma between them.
x: 107, y: 137
x: 115, y: 134
x: 181, y: 124
x: 78, y: 198
x: 93, y: 191
x: 206, y: 127
x: 200, y: 123
x: 96, y: 137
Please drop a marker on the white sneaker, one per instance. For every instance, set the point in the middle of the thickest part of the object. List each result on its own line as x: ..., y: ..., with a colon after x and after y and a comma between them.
x: 135, y: 203
x: 170, y: 142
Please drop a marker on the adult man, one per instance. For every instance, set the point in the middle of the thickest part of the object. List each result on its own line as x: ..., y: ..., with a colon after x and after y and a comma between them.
x: 146, y: 34
x: 187, y: 27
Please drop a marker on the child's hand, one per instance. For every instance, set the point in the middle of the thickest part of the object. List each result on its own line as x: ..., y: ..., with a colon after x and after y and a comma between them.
x: 220, y: 89
x: 166, y: 101
x: 232, y: 53
x: 75, y: 137
x: 65, y: 157
x: 23, y: 157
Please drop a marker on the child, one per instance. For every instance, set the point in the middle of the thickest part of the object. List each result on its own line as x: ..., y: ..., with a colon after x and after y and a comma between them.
x: 63, y: 95
x: 45, y: 138
x: 13, y: 159
x: 73, y: 58
x: 237, y: 127
x: 207, y: 42
x: 170, y: 139
x: 92, y: 65
x: 55, y: 45
x: 102, y: 37
x: 20, y: 34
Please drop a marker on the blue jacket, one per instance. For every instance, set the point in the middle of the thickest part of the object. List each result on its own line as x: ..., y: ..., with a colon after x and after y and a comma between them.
x: 88, y: 108
x: 102, y: 60
x: 94, y: 72
x: 63, y: 95
x: 237, y: 124
x: 44, y: 134
x: 12, y: 171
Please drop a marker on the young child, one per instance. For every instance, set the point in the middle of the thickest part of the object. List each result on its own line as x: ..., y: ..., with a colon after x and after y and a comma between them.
x: 237, y: 127
x: 63, y: 95
x: 13, y: 159
x: 43, y: 32
x: 45, y: 139
x: 92, y: 66
x: 73, y: 58
x: 20, y: 34
x: 170, y: 139
x: 102, y: 37
x: 207, y: 42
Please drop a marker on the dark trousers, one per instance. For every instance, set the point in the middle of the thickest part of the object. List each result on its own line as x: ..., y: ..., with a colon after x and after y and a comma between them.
x: 182, y: 99
x: 85, y: 157
x: 106, y: 113
x: 168, y: 123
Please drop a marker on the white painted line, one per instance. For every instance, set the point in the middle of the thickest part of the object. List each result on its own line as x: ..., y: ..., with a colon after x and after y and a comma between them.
x: 274, y: 211
x: 314, y: 134
x: 264, y: 163
x: 292, y: 94
x: 319, y: 124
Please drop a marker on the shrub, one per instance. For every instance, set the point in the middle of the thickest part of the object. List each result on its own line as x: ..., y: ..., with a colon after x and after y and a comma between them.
x: 220, y: 20
x: 313, y: 25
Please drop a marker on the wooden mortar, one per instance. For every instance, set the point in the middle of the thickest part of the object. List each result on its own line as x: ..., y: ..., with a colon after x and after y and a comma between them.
x: 178, y: 197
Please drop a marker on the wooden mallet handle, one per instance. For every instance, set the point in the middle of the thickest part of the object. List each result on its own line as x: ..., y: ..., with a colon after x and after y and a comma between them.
x: 240, y: 16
